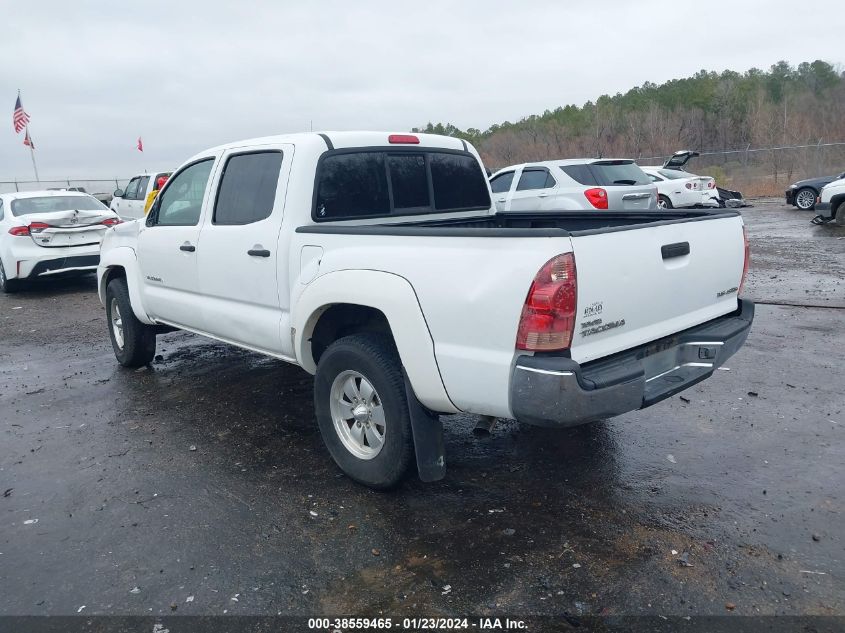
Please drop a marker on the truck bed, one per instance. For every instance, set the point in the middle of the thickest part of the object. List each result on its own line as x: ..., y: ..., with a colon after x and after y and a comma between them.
x: 525, y: 224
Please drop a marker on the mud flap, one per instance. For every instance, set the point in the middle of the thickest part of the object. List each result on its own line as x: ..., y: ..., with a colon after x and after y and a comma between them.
x: 428, y: 438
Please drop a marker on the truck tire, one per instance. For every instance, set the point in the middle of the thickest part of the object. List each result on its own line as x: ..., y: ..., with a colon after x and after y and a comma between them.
x: 839, y: 215
x: 7, y: 285
x: 134, y: 343
x: 663, y: 202
x: 362, y: 410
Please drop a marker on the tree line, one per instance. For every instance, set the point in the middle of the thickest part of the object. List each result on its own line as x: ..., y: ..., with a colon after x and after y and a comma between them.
x: 708, y: 111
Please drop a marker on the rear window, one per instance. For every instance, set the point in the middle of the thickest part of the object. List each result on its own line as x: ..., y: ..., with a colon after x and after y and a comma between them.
x: 382, y: 183
x: 50, y: 204
x: 611, y: 173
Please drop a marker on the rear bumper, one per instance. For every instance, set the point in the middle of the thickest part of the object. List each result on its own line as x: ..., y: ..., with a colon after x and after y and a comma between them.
x: 558, y: 392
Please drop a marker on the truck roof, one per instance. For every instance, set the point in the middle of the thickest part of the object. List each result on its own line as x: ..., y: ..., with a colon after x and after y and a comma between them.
x: 341, y: 140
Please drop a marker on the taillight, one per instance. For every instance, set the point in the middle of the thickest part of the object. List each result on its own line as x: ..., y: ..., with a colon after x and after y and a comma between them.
x: 548, y: 316
x: 408, y: 139
x: 747, y: 260
x: 111, y: 221
x: 37, y: 227
x: 19, y: 231
x: 597, y: 197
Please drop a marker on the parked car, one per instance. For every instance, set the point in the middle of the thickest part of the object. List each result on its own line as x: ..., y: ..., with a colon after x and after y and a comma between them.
x: 575, y: 184
x: 679, y: 189
x: 134, y: 201
x: 46, y: 233
x: 804, y: 193
x: 831, y: 202
x: 377, y: 262
x: 726, y: 197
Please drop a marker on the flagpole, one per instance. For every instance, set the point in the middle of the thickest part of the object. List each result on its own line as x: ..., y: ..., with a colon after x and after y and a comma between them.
x: 32, y: 154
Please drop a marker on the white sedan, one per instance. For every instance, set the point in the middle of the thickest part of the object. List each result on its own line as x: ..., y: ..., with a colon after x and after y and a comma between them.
x: 678, y: 189
x: 45, y: 233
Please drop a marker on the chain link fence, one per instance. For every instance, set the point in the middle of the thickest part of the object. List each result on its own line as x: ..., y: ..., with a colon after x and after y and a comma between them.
x: 89, y: 185
x: 765, y: 171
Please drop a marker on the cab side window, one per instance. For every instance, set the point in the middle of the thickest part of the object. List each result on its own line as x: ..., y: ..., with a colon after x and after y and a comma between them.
x: 180, y: 203
x: 131, y: 189
x: 502, y: 182
x: 141, y: 191
x: 247, y: 190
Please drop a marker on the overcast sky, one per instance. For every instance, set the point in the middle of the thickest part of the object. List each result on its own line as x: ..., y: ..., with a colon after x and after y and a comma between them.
x: 188, y: 75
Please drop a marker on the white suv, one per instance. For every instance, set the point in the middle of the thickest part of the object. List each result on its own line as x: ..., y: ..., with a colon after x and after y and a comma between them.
x: 832, y: 202
x: 575, y: 184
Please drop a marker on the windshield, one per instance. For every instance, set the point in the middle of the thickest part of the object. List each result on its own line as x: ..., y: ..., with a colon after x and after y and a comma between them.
x: 51, y: 204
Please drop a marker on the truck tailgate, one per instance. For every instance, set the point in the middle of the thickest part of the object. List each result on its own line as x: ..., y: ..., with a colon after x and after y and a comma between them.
x: 640, y: 284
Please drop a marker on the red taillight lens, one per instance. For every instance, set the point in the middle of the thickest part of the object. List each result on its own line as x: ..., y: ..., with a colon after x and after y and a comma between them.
x: 747, y: 261
x: 19, y: 231
x: 37, y: 227
x: 548, y: 316
x: 111, y: 221
x: 409, y: 139
x: 597, y: 197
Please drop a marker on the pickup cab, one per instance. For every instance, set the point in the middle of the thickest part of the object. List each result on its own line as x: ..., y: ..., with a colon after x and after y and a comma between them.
x: 134, y: 201
x: 378, y: 263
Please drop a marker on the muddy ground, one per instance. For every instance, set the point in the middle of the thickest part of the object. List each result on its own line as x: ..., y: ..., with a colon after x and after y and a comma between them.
x: 200, y: 485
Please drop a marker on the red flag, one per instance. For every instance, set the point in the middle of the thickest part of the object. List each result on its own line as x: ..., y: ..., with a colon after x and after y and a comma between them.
x: 140, y: 145
x: 28, y: 141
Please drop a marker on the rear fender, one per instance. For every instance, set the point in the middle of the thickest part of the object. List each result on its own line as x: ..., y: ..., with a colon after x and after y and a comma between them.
x: 394, y: 297
x: 123, y: 257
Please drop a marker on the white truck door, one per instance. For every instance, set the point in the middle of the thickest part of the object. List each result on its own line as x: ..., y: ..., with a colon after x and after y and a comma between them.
x: 501, y: 187
x: 123, y: 205
x: 242, y: 257
x: 167, y: 247
x: 534, y: 185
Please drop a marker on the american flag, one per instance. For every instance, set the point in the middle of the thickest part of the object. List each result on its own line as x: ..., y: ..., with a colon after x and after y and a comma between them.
x: 20, y: 117
x: 27, y: 140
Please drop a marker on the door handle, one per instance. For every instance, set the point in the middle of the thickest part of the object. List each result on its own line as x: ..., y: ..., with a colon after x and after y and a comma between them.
x: 188, y: 248
x: 500, y: 199
x: 542, y: 195
x: 258, y: 252
x: 678, y: 249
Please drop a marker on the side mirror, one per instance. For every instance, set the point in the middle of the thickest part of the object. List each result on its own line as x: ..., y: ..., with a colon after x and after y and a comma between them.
x: 118, y: 193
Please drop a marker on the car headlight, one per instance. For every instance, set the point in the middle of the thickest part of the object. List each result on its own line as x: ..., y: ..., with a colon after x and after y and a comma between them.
x: 793, y: 186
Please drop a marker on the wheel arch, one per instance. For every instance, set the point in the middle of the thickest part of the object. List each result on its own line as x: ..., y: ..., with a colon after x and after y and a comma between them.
x: 121, y: 263
x: 352, y: 301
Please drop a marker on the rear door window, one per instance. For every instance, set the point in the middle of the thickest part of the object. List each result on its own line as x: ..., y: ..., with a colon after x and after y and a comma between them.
x: 502, y: 182
x: 382, y: 183
x: 247, y: 190
x: 534, y: 179
x: 580, y: 174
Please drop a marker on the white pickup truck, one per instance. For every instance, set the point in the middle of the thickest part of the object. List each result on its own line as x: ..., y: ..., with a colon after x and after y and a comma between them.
x: 377, y: 262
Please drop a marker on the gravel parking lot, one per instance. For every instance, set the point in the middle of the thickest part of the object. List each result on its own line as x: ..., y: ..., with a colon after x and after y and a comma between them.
x: 199, y: 485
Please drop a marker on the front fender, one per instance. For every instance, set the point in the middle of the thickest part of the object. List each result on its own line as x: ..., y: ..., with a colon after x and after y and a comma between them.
x: 394, y: 296
x: 122, y: 257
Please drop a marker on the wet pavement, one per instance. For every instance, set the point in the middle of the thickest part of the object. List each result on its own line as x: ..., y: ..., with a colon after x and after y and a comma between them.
x: 200, y: 485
